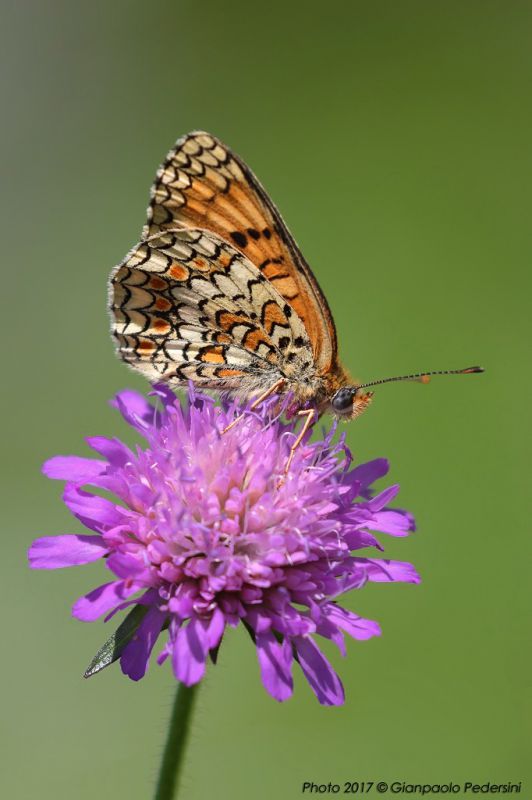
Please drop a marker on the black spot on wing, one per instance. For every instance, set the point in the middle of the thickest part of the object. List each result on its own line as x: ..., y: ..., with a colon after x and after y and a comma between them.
x: 239, y: 238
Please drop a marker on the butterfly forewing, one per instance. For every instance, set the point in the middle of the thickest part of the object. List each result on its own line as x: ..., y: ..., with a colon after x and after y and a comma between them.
x: 202, y: 184
x: 187, y: 305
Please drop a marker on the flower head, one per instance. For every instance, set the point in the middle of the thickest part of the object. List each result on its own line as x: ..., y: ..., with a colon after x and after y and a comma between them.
x: 202, y: 535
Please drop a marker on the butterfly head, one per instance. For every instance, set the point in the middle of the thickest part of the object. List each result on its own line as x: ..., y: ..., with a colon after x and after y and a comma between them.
x: 350, y: 401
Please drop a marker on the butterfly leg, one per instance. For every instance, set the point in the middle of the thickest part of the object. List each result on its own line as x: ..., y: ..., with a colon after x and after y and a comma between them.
x: 310, y: 415
x: 271, y: 390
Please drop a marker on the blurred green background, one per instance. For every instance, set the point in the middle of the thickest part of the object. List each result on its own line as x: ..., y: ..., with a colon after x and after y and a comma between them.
x: 395, y: 138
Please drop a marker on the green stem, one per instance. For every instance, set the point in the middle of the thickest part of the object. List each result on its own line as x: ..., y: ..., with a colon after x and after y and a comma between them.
x: 176, y: 741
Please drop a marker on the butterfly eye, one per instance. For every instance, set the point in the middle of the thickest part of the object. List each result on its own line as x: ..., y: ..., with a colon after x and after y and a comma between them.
x: 343, y: 400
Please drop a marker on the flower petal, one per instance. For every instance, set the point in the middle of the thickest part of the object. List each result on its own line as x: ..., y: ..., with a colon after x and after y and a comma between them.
x: 73, y: 468
x: 368, y: 473
x: 115, y: 451
x: 353, y: 580
x: 259, y: 619
x: 357, y: 627
x: 323, y: 680
x: 93, y: 511
x: 329, y: 630
x: 393, y: 521
x: 383, y: 570
x: 136, y: 656
x: 214, y: 628
x: 383, y: 498
x: 69, y: 550
x: 163, y: 392
x: 189, y: 654
x: 128, y: 566
x: 275, y: 661
x: 147, y: 599
x: 103, y: 599
x: 136, y: 410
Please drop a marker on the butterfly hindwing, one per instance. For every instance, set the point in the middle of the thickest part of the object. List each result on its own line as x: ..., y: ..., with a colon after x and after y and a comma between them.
x: 187, y: 305
x: 202, y: 184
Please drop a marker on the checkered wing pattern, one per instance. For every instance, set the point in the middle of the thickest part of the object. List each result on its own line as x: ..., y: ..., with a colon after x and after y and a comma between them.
x: 187, y: 305
x: 202, y: 184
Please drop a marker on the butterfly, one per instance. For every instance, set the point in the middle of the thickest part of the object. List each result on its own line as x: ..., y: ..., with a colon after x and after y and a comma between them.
x: 218, y: 292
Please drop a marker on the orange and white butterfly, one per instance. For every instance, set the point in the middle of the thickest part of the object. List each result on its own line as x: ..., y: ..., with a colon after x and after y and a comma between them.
x: 217, y: 291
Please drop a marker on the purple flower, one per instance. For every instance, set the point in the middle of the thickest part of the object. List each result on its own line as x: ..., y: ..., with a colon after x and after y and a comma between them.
x: 200, y: 534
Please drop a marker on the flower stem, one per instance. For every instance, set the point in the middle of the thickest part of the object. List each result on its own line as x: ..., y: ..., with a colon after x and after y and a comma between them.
x: 176, y: 741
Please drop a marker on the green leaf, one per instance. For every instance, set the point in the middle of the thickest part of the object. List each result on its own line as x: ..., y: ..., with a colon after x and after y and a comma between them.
x: 114, y: 646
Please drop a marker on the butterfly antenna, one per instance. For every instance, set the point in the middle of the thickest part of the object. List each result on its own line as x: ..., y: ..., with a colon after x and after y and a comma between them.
x: 424, y: 377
